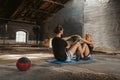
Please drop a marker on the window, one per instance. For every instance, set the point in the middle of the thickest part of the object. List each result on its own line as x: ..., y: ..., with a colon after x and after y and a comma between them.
x: 21, y: 36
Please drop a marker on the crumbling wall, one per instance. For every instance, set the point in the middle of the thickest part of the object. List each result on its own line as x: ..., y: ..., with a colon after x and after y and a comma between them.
x: 102, y: 20
x: 71, y: 17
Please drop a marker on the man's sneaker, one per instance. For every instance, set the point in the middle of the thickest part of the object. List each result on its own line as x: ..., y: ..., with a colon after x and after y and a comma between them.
x: 77, y: 56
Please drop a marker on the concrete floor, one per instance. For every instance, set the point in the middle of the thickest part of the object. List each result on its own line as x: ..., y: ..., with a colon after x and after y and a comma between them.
x: 106, y: 67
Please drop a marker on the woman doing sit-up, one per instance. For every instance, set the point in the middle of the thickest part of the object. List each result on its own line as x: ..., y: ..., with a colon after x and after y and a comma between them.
x: 87, y: 45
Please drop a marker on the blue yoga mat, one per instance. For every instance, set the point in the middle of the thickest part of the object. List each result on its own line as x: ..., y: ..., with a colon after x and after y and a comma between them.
x: 71, y: 62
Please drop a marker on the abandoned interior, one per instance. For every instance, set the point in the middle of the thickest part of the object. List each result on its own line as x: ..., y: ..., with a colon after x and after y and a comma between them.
x: 26, y: 30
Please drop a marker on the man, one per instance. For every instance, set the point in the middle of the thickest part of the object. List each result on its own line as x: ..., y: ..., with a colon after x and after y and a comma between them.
x: 62, y: 51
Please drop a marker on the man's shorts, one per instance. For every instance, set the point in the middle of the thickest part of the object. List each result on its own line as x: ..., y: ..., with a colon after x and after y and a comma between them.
x: 69, y: 55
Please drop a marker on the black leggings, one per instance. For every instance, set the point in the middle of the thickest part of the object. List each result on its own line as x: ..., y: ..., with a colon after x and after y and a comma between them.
x: 90, y: 49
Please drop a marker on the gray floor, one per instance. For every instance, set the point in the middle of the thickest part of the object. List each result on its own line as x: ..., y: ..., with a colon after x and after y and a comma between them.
x: 106, y: 67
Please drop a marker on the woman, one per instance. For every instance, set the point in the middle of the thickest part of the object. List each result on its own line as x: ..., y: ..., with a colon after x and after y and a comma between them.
x: 61, y: 49
x: 87, y: 46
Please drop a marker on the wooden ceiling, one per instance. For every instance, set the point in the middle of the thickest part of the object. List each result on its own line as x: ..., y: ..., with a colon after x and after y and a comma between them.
x: 29, y: 11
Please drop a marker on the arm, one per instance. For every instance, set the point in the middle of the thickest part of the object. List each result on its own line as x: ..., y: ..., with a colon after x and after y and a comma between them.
x: 66, y: 38
x: 86, y: 41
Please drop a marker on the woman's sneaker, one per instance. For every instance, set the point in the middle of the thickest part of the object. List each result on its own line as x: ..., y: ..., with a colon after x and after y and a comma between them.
x: 86, y: 58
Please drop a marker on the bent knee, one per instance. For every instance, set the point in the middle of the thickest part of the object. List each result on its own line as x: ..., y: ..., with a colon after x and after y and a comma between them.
x: 84, y: 44
x: 78, y: 43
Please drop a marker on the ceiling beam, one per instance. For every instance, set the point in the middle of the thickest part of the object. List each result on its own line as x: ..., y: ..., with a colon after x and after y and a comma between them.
x: 57, y: 3
x: 19, y: 7
x: 21, y: 21
x: 40, y: 10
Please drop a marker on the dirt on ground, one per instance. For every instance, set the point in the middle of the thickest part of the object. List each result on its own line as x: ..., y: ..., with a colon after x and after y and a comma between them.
x: 105, y: 67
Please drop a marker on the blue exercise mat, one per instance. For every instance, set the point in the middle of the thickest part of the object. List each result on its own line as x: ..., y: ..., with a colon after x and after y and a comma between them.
x: 71, y: 62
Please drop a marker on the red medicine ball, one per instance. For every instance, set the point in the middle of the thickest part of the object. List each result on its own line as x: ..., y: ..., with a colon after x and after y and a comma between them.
x: 23, y: 64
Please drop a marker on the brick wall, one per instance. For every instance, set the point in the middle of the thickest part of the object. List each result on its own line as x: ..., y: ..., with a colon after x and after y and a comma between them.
x: 12, y: 28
